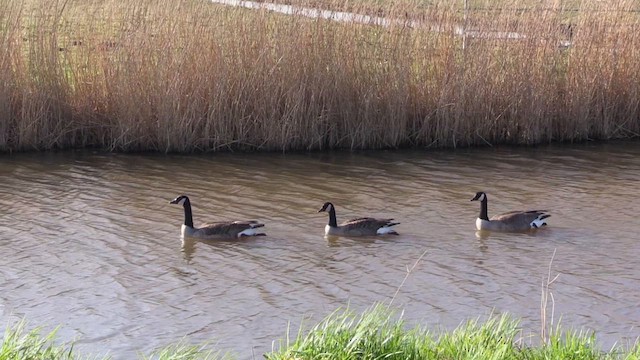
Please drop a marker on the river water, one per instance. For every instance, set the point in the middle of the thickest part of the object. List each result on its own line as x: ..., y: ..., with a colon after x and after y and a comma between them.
x: 90, y: 242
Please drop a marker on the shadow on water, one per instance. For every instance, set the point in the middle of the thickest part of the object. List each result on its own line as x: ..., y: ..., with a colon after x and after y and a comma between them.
x: 91, y: 244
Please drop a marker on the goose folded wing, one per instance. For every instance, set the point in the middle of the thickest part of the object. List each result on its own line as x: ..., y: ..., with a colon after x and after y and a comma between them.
x: 228, y: 228
x: 518, y: 216
x: 367, y: 222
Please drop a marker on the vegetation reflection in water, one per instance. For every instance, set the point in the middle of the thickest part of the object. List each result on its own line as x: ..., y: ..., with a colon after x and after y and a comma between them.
x: 377, y: 333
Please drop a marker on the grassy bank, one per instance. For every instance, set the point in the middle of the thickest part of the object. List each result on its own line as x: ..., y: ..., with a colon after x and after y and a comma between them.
x: 19, y: 344
x: 188, y: 75
x: 375, y: 334
x: 379, y: 334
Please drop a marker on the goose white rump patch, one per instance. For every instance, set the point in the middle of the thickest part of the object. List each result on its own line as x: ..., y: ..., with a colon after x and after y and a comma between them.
x: 248, y: 232
x: 538, y: 222
x: 384, y: 230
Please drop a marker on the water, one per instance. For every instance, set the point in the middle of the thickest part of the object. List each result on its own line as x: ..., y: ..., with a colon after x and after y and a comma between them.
x: 91, y: 243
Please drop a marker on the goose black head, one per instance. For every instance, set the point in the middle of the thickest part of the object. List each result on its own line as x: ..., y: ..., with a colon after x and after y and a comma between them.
x: 180, y: 200
x: 480, y: 196
x: 326, y: 207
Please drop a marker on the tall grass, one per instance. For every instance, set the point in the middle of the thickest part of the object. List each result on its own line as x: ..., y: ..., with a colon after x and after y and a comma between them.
x: 188, y: 75
x: 184, y: 351
x: 378, y: 334
x: 18, y: 344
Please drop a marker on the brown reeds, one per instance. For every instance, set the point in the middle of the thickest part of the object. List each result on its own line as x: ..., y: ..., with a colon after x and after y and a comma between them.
x: 195, y: 76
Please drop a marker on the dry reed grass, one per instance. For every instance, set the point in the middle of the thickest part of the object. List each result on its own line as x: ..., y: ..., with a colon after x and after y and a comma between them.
x: 188, y: 75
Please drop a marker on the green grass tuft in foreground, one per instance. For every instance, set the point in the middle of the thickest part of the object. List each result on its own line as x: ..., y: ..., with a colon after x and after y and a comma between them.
x: 17, y: 345
x: 184, y: 351
x: 377, y: 333
x: 370, y: 335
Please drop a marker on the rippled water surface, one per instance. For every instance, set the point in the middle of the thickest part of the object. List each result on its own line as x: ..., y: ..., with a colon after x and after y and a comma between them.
x: 90, y: 242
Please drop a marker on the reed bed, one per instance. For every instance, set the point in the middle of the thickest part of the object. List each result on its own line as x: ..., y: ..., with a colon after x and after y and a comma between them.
x: 189, y: 75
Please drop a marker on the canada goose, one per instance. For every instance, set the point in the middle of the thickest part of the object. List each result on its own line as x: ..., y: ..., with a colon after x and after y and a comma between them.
x: 215, y: 231
x: 357, y: 227
x: 510, y: 221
